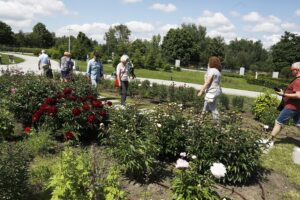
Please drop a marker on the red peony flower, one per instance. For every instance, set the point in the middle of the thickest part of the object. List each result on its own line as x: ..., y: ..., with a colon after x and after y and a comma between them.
x: 102, y: 113
x: 67, y: 91
x: 109, y: 103
x: 72, y: 98
x: 52, y: 110
x: 91, y: 118
x: 76, y: 111
x: 36, y: 116
x: 91, y: 97
x: 97, y: 104
x: 43, y: 107
x: 60, y: 95
x: 49, y: 100
x: 85, y: 106
x: 69, y: 135
x: 82, y: 99
x: 27, y: 130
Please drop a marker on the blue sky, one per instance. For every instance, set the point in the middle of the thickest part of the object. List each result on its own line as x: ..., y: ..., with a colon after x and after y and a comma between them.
x: 264, y: 20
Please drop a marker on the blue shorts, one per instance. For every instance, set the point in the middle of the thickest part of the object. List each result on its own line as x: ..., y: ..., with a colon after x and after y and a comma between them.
x: 287, y: 114
x: 65, y: 74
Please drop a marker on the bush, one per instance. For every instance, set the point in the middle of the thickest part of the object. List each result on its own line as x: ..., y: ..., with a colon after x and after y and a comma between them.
x: 264, y: 108
x: 14, y: 162
x: 238, y: 103
x: 224, y: 101
x: 6, y: 124
x: 132, y: 142
x: 167, y: 67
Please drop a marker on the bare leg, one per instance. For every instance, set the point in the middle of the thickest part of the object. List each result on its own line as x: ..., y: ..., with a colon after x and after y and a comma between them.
x: 276, y: 130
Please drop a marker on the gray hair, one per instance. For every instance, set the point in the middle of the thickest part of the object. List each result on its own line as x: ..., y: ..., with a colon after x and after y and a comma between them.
x: 296, y: 65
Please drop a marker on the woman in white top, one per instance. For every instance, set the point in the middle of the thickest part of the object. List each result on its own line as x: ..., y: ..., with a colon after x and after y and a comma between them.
x: 122, y: 76
x: 212, y: 87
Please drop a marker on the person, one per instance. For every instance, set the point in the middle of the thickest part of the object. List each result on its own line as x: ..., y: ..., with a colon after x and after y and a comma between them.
x: 123, y: 73
x: 66, y: 66
x: 211, y: 87
x: 291, y: 99
x: 44, y: 62
x: 95, y: 69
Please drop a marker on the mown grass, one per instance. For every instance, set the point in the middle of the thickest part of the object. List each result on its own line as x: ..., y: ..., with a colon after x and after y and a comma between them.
x: 5, y: 59
x: 183, y: 76
x: 280, y: 160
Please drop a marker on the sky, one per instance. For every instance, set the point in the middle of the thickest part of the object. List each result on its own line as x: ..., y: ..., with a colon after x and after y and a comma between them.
x: 264, y: 20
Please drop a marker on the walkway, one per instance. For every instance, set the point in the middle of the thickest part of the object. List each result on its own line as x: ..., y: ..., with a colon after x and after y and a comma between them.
x: 31, y: 65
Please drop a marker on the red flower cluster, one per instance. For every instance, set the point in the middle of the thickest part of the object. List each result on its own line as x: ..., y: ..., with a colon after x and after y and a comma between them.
x: 69, y: 135
x: 76, y: 111
x: 26, y: 130
x: 37, y: 115
x: 72, y: 98
x: 91, y: 97
x: 50, y: 101
x: 91, y: 118
x: 85, y: 106
x: 97, y: 104
x: 52, y: 110
x: 109, y: 103
x: 102, y: 113
x: 67, y: 91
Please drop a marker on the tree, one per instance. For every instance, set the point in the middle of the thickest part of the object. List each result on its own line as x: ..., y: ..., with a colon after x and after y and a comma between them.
x: 82, y: 46
x: 214, y: 47
x: 286, y: 51
x: 178, y: 44
x: 6, y: 34
x: 41, y: 37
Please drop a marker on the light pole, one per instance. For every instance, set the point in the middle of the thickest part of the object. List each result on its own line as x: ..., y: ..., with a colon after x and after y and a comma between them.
x: 69, y: 29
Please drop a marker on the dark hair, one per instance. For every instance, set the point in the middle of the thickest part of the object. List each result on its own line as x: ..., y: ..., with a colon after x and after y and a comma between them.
x: 214, y: 62
x: 96, y: 54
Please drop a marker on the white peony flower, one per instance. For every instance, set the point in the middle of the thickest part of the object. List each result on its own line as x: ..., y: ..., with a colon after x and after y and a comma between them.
x: 194, y: 157
x: 218, y: 170
x: 180, y: 163
x: 266, y: 127
x: 158, y: 125
x: 182, y: 154
x: 139, y: 85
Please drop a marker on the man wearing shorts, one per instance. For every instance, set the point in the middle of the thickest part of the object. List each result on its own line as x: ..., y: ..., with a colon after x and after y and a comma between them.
x: 291, y: 97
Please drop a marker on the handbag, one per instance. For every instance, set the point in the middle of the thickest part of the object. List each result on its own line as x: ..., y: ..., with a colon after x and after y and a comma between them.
x: 210, y: 97
x: 49, y: 73
x: 116, y: 83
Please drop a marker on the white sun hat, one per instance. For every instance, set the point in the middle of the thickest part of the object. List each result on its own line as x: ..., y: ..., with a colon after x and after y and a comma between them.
x: 124, y: 58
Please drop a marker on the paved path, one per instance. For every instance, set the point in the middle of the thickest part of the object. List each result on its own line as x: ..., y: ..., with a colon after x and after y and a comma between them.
x: 30, y: 65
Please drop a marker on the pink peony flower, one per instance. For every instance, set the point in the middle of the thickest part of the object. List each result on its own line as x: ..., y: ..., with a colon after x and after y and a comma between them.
x: 181, y: 163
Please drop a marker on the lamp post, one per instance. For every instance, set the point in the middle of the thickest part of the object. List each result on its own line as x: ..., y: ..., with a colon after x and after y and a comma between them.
x: 69, y: 30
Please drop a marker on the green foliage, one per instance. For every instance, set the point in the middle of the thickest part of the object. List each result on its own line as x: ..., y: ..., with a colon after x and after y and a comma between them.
x: 41, y: 37
x: 224, y: 101
x: 14, y: 161
x: 237, y: 149
x: 6, y: 34
x: 71, y: 179
x: 267, y: 82
x: 6, y: 124
x: 264, y: 108
x: 112, y: 188
x: 238, y: 103
x: 190, y: 185
x: 132, y: 142
x: 82, y: 46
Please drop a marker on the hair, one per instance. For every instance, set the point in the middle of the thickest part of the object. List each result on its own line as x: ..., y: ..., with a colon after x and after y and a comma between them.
x: 296, y: 65
x: 124, y: 58
x: 214, y: 62
x: 96, y: 54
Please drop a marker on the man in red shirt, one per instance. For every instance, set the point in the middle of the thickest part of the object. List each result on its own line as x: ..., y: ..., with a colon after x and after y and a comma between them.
x: 291, y: 98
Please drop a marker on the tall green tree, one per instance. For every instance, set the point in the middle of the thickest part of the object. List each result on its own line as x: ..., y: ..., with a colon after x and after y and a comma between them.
x: 82, y: 46
x: 286, y: 51
x: 6, y: 34
x: 41, y: 37
x: 178, y: 44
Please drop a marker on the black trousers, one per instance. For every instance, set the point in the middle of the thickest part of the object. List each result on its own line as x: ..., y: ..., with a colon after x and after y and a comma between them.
x: 123, y: 91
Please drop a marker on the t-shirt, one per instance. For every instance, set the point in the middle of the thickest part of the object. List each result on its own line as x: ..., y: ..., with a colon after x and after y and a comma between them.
x: 44, y: 59
x: 214, y: 87
x: 123, y: 71
x: 292, y: 104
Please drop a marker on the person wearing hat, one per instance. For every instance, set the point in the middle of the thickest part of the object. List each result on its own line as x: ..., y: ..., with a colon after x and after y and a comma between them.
x: 44, y: 62
x: 95, y: 69
x: 66, y: 66
x: 291, y: 98
x: 122, y: 73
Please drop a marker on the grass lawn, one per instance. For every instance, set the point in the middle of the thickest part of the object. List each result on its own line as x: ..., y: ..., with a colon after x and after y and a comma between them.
x: 5, y: 59
x: 280, y: 160
x: 184, y: 76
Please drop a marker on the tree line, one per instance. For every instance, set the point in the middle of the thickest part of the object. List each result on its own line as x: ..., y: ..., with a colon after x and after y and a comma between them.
x: 189, y: 43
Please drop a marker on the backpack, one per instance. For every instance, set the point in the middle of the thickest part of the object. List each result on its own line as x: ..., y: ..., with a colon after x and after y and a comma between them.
x: 70, y: 64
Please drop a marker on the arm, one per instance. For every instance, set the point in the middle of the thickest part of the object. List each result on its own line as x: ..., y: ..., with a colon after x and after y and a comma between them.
x: 206, y: 84
x: 101, y: 70
x: 291, y: 95
x: 88, y: 69
x: 118, y: 75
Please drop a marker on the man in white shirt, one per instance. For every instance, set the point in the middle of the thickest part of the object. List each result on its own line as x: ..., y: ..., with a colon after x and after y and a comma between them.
x: 44, y: 62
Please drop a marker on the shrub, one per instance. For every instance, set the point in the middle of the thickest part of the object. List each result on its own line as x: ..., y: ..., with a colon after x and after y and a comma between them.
x: 6, y: 124
x: 167, y: 67
x: 237, y: 149
x: 264, y: 108
x: 112, y: 187
x: 238, y: 103
x: 224, y: 101
x: 14, y: 161
x: 145, y: 88
x: 132, y: 142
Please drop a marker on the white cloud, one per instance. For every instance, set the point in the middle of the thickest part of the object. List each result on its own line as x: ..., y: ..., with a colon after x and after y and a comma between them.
x: 266, y: 27
x: 269, y: 40
x: 297, y: 12
x: 22, y: 13
x: 288, y: 26
x: 252, y: 17
x: 140, y: 27
x: 165, y: 28
x: 164, y: 7
x: 227, y: 36
x: 234, y: 13
x: 131, y: 1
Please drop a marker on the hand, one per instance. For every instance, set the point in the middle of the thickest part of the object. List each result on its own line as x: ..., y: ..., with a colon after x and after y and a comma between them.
x: 200, y: 93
